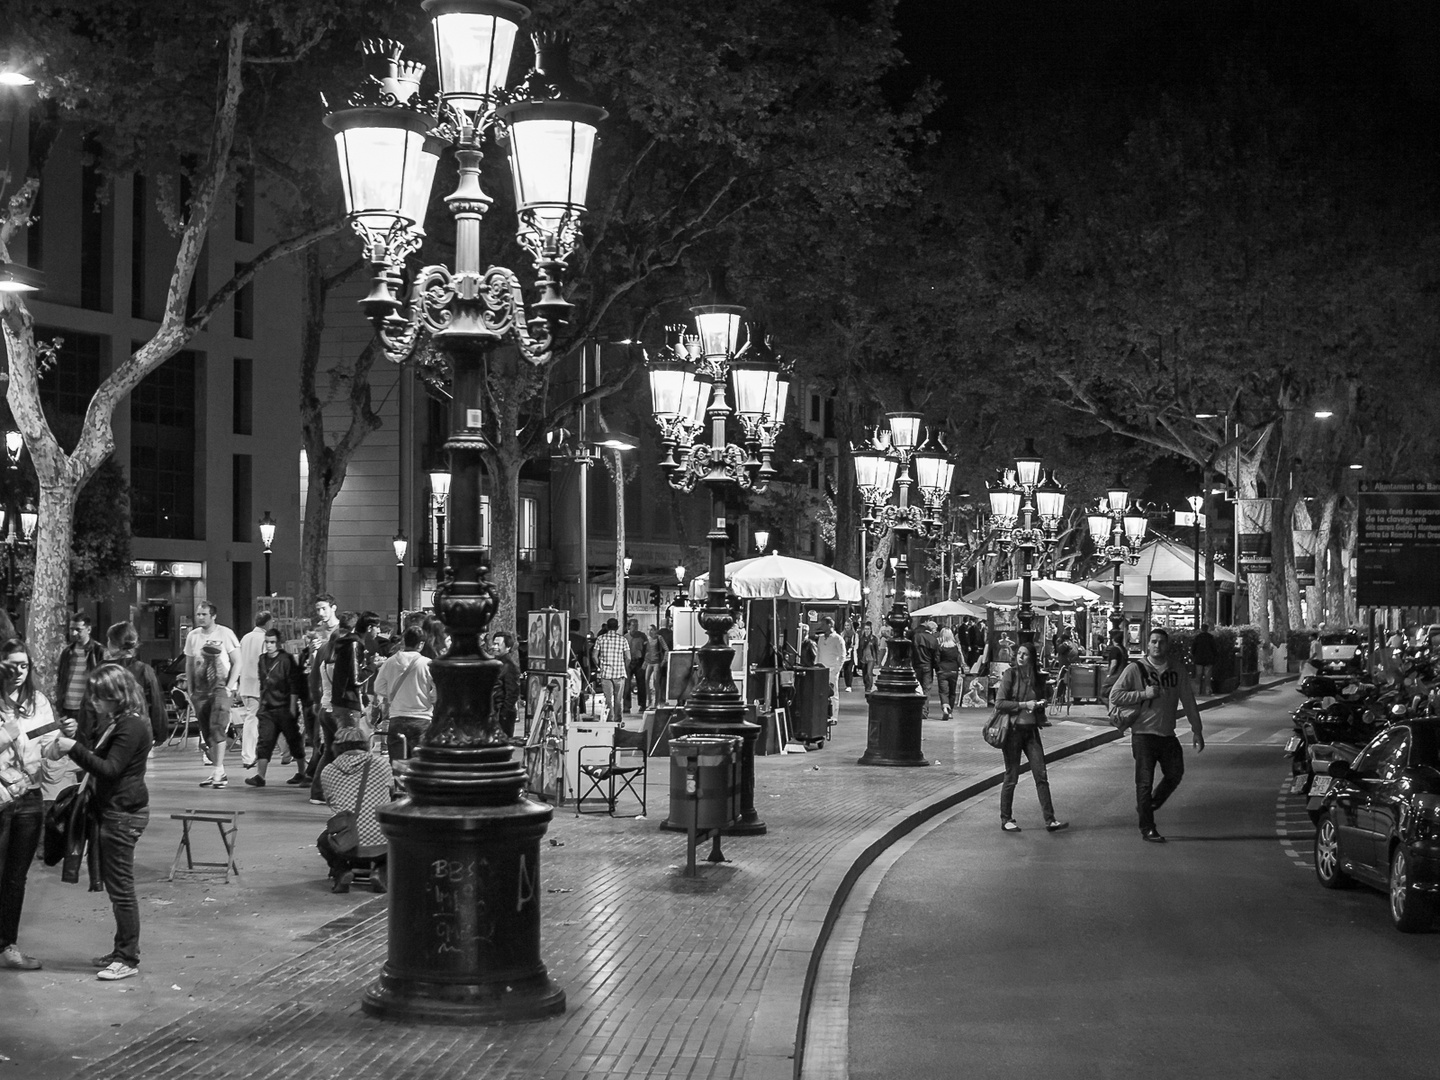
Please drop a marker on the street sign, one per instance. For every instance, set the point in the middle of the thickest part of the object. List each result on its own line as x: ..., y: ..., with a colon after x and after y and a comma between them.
x: 1397, y: 545
x: 1187, y: 518
x: 1256, y: 540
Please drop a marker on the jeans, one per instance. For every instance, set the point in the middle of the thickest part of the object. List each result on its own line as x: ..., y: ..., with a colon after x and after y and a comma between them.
x: 636, y: 685
x: 868, y: 668
x: 655, y: 680
x: 613, y: 689
x: 324, y: 754
x: 1150, y: 750
x: 948, y: 681
x: 404, y: 736
x: 20, y: 824
x: 118, y: 833
x: 926, y: 677
x: 1203, y: 675
x: 1024, y: 738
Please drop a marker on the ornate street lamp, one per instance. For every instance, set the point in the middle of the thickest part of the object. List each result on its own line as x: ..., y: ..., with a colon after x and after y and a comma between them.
x: 1117, y: 529
x: 267, y: 540
x: 464, y: 928
x: 724, y: 369
x: 762, y: 540
x: 883, y: 469
x: 1025, y: 509
x: 439, y: 502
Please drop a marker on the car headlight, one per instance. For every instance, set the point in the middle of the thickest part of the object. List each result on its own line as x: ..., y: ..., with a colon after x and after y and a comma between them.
x: 1427, y: 817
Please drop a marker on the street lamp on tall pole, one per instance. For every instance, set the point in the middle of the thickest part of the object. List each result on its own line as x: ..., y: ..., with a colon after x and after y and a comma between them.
x: 762, y: 540
x: 401, y: 545
x: 1026, y: 505
x: 439, y: 502
x: 722, y: 370
x: 464, y: 914
x: 1117, y: 529
x: 267, y: 539
x: 883, y: 469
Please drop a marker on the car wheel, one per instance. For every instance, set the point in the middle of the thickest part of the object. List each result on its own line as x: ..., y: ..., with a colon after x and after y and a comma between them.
x: 1410, y: 910
x: 1327, y: 855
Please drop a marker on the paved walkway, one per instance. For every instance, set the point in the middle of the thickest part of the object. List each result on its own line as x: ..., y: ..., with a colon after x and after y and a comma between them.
x: 665, y: 976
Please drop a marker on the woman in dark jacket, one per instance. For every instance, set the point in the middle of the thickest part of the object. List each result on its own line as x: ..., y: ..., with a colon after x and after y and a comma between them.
x: 947, y: 670
x: 121, y: 641
x: 1021, y: 696
x: 121, y: 802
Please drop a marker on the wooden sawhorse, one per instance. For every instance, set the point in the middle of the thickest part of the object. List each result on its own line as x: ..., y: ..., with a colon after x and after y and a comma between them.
x: 229, y: 829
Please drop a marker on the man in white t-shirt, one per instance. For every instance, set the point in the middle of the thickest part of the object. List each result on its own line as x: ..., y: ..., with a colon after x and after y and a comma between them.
x: 212, y: 672
x: 252, y: 645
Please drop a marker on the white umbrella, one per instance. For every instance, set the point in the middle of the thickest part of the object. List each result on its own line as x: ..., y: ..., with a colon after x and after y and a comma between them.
x: 952, y: 607
x: 1106, y: 589
x: 779, y: 577
x: 1044, y: 592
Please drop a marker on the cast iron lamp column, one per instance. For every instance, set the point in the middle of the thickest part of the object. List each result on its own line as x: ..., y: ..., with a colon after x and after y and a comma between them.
x: 893, y: 732
x: 724, y: 353
x: 464, y: 898
x: 1026, y: 512
x: 1117, y: 529
x: 267, y: 539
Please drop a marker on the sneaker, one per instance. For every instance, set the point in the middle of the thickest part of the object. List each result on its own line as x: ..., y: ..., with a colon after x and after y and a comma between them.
x: 318, y: 802
x: 12, y: 957
x: 342, y: 883
x: 1010, y: 825
x: 215, y: 782
x: 297, y: 780
x: 1055, y: 826
x: 206, y: 759
x: 117, y: 970
x: 254, y: 781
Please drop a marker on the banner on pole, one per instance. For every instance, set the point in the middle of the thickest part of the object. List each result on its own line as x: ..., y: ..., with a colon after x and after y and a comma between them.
x: 1257, y: 517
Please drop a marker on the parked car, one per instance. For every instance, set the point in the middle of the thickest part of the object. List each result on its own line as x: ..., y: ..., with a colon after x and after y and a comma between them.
x: 1379, y: 821
x: 1342, y: 654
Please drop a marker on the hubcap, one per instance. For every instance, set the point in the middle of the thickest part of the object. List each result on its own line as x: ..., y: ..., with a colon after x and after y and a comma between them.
x: 1398, y: 877
x: 1325, y: 853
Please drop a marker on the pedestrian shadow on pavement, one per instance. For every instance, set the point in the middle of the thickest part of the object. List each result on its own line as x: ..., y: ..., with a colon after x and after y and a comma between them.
x: 1176, y: 838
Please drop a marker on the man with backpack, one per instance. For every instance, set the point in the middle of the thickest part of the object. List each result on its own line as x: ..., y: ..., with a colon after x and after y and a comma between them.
x: 1146, y: 698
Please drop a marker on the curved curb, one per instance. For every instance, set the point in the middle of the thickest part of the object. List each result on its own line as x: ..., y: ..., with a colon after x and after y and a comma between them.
x: 776, y: 1046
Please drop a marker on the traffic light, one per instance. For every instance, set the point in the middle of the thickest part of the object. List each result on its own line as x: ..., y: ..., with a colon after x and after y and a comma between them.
x: 655, y: 595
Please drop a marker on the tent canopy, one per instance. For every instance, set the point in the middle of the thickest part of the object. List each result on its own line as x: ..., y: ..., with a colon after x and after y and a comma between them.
x: 1164, y: 560
x: 1044, y: 592
x: 951, y: 607
x: 779, y: 577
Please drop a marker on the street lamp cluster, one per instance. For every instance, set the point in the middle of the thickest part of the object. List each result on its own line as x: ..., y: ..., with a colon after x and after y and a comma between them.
x: 1117, y: 529
x: 704, y: 379
x: 464, y: 939
x: 1026, y: 505
x: 881, y: 470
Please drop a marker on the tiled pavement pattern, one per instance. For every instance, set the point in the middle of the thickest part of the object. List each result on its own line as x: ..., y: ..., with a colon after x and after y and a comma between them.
x: 665, y: 976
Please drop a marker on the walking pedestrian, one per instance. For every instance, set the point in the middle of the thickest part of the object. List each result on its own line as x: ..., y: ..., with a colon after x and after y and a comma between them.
x: 1020, y: 696
x: 850, y: 638
x: 252, y: 647
x: 830, y: 654
x: 212, y: 671
x: 28, y: 727
x: 947, y: 670
x: 279, y: 681
x: 1159, y: 688
x: 655, y: 652
x: 867, y: 655
x: 612, y: 661
x: 407, y: 689
x: 635, y: 672
x: 121, y: 802
x: 1204, y: 653
x: 1116, y: 657
x: 77, y: 660
x: 924, y: 642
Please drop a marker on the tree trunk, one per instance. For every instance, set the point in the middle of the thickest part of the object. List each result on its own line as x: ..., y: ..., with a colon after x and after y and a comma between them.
x: 877, y: 554
x: 47, y: 623
x: 1324, y: 538
x: 504, y: 468
x: 315, y: 535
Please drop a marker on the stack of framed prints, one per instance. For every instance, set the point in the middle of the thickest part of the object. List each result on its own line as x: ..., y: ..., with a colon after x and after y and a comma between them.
x: 547, y: 702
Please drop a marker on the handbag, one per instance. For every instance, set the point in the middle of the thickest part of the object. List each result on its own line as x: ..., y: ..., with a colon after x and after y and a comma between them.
x: 68, y: 827
x: 997, y: 728
x: 1124, y: 716
x: 343, y: 828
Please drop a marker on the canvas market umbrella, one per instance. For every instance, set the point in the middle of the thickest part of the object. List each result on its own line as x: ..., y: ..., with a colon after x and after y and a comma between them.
x: 951, y: 607
x: 1044, y: 592
x: 779, y: 577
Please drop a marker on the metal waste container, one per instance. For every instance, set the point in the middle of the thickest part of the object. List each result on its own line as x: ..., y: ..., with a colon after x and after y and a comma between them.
x: 704, y: 781
x: 810, y: 705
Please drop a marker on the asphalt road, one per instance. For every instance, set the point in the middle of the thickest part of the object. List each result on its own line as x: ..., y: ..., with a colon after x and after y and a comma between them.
x: 1089, y: 953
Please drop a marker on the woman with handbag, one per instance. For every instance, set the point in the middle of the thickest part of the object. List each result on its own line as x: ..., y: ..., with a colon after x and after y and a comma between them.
x: 27, y: 727
x: 117, y: 769
x: 1021, y: 698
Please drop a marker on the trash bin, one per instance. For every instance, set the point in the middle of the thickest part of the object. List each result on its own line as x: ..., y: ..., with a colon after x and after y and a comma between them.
x: 704, y: 781
x: 810, y: 707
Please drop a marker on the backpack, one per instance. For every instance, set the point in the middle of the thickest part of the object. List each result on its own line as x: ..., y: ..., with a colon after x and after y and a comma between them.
x: 1123, y: 716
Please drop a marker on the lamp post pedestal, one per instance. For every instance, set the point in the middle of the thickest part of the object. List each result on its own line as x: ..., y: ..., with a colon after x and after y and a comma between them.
x: 892, y: 733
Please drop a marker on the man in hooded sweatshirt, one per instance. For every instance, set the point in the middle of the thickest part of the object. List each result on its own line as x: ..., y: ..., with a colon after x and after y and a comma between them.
x: 1160, y: 689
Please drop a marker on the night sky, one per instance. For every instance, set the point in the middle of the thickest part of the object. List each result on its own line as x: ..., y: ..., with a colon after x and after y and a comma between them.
x: 988, y: 50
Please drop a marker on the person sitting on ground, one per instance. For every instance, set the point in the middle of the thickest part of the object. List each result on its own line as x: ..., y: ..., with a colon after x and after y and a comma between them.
x: 341, y: 783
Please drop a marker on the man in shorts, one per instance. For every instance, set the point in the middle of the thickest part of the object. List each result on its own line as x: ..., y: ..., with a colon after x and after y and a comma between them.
x: 212, y: 672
